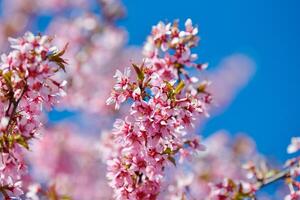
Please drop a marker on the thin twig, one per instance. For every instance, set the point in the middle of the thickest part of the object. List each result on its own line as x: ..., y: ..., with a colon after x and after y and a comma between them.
x: 15, y: 106
x: 285, y: 173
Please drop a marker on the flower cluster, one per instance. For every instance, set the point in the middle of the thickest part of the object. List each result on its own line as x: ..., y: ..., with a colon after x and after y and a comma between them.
x: 97, y: 45
x: 168, y: 49
x: 112, y: 9
x: 232, y: 190
x: 222, y: 158
x: 25, y: 12
x: 28, y: 83
x: 29, y: 7
x: 37, y: 192
x: 163, y: 109
x: 259, y: 175
x: 74, y: 167
x: 293, y: 171
x: 96, y: 49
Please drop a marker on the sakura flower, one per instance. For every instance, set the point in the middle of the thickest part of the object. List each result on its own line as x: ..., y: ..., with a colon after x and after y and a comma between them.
x: 294, y: 146
x: 221, y: 159
x: 74, y: 166
x: 189, y: 29
x: 230, y: 189
x: 112, y: 9
x: 120, y: 93
x: 96, y: 49
x: 33, y: 191
x: 160, y: 32
x: 293, y: 196
x: 168, y: 37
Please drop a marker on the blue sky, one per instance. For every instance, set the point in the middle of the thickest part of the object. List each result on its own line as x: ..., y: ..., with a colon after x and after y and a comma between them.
x: 267, y: 31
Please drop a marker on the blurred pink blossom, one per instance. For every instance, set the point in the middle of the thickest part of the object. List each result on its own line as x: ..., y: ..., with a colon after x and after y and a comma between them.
x: 71, y: 162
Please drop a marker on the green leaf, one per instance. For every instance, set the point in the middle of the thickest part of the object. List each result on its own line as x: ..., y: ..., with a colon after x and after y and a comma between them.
x: 178, y: 65
x: 22, y: 141
x: 202, y: 87
x: 52, y: 193
x: 139, y: 72
x: 172, y: 160
x: 7, y: 77
x: 11, y: 140
x: 168, y: 151
x: 56, y: 57
x: 62, y: 52
x: 179, y: 87
x: 170, y: 87
x: 170, y: 90
x: 65, y: 197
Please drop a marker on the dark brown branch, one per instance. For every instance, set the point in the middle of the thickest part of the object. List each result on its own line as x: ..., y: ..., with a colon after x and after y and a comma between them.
x: 15, y: 106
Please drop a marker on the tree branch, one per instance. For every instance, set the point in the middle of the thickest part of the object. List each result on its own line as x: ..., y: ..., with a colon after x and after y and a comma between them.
x: 285, y: 173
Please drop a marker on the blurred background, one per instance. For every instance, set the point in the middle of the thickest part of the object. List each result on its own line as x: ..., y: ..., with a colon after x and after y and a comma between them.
x: 266, y: 31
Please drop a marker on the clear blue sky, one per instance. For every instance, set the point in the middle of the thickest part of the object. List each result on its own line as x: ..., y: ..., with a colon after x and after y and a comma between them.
x: 267, y: 31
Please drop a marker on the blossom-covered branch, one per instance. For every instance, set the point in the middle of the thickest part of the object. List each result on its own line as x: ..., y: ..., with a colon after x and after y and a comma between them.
x: 165, y: 101
x: 231, y: 189
x: 28, y: 83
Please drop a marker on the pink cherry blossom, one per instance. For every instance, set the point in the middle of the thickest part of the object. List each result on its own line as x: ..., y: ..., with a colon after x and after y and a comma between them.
x: 162, y: 111
x: 293, y: 196
x: 96, y: 50
x: 27, y: 76
x: 168, y: 37
x: 230, y: 189
x: 223, y: 157
x: 74, y: 166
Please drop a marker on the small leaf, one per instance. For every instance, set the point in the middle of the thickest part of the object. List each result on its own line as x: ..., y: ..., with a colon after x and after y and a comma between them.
x: 203, y: 86
x: 65, y: 197
x: 179, y: 87
x: 178, y: 65
x: 62, y: 52
x: 170, y: 87
x: 56, y: 57
x: 168, y: 151
x: 170, y: 90
x: 51, y: 193
x: 139, y: 72
x: 172, y: 160
x: 11, y: 140
x: 7, y: 77
x: 22, y: 141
